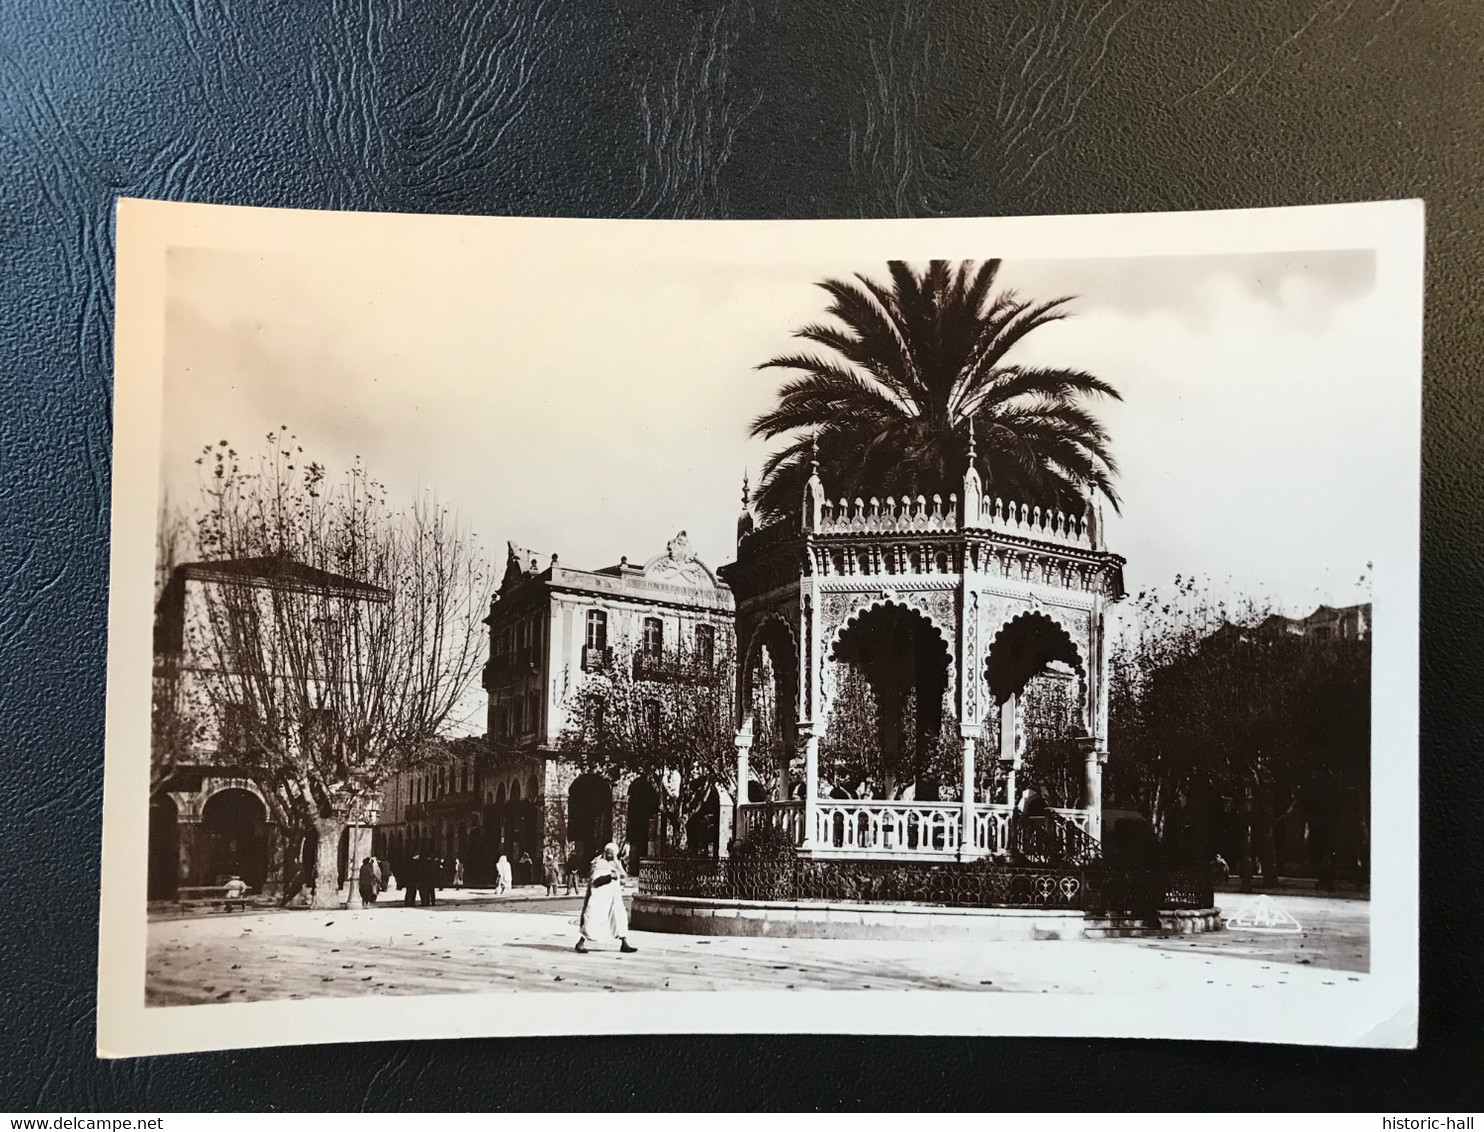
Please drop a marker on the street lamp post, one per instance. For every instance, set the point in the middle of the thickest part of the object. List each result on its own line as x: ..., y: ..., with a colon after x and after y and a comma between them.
x: 361, y: 819
x: 1247, y: 839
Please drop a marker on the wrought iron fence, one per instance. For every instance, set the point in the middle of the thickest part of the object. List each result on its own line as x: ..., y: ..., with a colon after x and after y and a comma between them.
x: 950, y: 884
x: 978, y: 884
x: 1189, y: 888
x: 1050, y: 839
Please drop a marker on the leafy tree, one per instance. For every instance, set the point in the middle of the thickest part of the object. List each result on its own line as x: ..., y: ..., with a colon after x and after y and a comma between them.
x: 1052, y: 761
x: 670, y: 724
x: 341, y: 655
x: 774, y: 743
x: 906, y: 368
x: 1218, y: 707
x: 851, y: 752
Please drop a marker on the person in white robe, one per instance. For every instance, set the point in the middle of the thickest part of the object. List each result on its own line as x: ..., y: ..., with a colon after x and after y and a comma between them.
x: 502, y: 871
x: 603, y: 914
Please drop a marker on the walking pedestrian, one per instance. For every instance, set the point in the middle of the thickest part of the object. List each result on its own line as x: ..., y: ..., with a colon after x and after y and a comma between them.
x: 603, y: 914
x: 502, y: 875
x: 551, y: 872
x: 431, y: 874
x: 370, y: 883
x: 458, y: 872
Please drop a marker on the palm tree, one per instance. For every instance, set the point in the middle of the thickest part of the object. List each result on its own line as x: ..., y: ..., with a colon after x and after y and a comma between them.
x: 889, y: 407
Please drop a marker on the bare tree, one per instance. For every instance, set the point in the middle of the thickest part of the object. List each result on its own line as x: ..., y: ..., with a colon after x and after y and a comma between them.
x: 334, y: 639
x: 176, y: 724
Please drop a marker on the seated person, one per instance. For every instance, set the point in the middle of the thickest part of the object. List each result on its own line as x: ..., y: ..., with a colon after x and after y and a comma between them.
x: 235, y: 891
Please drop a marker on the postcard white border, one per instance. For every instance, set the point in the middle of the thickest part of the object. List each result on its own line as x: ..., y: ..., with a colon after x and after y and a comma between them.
x: 1379, y: 1010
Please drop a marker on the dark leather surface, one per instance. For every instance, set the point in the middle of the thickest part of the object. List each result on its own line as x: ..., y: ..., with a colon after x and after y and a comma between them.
x: 723, y: 109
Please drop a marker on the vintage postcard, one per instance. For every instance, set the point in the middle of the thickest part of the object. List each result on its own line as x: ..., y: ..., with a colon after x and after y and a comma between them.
x: 983, y: 626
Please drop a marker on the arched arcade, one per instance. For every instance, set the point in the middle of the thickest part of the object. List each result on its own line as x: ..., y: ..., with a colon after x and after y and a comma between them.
x: 916, y: 631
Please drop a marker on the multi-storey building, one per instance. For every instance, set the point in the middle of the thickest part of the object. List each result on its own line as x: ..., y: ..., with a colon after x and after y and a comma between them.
x: 209, y: 815
x: 551, y: 627
x: 438, y: 811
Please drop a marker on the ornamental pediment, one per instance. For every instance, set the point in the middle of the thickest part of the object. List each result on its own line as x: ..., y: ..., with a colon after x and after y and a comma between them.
x: 678, y: 565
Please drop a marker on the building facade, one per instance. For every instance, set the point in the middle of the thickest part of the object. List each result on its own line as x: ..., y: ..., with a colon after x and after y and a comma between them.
x: 552, y: 626
x: 210, y: 817
x: 440, y: 811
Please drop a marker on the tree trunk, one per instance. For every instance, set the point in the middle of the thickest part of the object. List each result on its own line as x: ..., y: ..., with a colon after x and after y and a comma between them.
x: 327, y: 862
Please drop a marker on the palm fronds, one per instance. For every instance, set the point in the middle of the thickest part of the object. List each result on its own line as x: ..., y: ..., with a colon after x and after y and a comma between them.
x: 906, y: 366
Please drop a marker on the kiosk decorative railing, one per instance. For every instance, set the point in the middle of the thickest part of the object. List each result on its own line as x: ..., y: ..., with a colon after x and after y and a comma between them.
x: 929, y: 829
x: 787, y: 816
x: 992, y: 830
x: 888, y: 827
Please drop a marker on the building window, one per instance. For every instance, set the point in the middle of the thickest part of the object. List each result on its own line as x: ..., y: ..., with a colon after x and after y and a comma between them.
x: 654, y: 636
x: 595, y: 641
x: 706, y: 645
x: 652, y: 718
x: 597, y: 629
x: 533, y: 712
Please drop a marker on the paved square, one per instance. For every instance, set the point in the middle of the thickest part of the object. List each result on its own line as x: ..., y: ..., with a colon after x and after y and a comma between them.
x: 471, y: 945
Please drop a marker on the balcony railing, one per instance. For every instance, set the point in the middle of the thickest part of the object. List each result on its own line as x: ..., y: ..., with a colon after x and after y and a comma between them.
x: 595, y: 658
x: 672, y: 666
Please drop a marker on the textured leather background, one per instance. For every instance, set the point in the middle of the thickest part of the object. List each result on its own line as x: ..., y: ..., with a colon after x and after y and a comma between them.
x: 694, y: 108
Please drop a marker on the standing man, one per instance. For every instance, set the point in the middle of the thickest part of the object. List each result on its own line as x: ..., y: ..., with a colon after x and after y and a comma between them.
x: 574, y: 870
x: 412, y: 872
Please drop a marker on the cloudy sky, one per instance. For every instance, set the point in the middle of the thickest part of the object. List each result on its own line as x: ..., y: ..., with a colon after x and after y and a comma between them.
x: 594, y: 408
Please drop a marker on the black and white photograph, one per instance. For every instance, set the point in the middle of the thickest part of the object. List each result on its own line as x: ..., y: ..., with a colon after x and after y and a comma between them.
x: 938, y: 627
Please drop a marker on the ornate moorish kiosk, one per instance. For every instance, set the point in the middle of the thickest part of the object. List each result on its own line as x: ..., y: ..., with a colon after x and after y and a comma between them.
x: 965, y: 601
